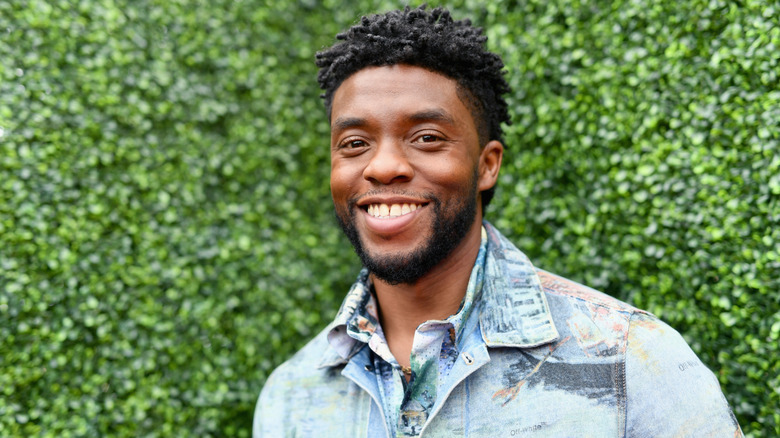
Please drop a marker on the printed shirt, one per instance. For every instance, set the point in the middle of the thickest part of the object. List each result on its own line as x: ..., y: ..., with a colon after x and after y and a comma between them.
x: 434, y: 350
x: 536, y: 355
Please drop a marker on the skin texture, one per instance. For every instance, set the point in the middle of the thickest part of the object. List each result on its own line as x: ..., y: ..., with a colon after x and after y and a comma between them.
x: 401, y: 134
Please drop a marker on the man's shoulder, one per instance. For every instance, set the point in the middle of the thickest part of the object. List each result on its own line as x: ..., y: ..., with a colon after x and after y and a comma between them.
x: 557, y: 286
x: 600, y: 323
x: 547, y: 305
x: 306, y: 391
x: 305, y: 363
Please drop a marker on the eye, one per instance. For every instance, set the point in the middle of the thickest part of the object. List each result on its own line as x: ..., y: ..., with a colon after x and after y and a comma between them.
x: 429, y: 137
x: 352, y: 143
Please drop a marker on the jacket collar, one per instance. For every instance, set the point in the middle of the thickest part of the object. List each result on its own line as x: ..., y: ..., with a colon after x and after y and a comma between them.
x: 513, y: 311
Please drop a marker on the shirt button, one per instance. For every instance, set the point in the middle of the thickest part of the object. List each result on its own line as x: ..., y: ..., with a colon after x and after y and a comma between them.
x: 369, y: 368
x: 467, y: 358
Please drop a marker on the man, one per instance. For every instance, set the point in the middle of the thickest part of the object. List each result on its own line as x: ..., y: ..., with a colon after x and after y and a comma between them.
x: 449, y: 329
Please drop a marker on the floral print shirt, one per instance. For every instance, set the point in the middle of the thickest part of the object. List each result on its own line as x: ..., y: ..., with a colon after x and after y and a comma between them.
x: 434, y: 350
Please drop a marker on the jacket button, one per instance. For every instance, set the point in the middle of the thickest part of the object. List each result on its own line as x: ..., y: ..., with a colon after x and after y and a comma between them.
x: 467, y: 358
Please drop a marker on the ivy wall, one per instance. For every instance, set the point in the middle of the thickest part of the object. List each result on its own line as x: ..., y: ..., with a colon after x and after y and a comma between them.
x: 166, y: 232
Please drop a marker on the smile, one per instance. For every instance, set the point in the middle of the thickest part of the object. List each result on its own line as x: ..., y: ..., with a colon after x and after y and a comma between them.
x: 385, y: 211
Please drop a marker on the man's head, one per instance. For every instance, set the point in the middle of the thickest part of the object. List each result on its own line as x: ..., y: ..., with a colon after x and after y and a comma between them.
x: 415, y: 106
x: 434, y: 41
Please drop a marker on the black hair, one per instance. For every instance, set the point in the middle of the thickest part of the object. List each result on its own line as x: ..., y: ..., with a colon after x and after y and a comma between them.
x: 431, y: 40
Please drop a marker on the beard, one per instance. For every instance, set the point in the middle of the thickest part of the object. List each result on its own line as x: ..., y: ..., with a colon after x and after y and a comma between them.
x: 450, y: 225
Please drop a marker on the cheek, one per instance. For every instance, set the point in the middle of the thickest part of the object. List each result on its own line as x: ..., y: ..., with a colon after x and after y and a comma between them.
x: 342, y: 180
x: 453, y: 175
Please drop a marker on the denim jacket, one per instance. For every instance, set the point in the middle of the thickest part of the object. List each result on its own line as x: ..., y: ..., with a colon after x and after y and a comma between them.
x: 541, y: 356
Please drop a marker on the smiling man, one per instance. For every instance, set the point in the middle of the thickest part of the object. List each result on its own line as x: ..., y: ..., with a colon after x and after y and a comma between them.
x: 449, y: 329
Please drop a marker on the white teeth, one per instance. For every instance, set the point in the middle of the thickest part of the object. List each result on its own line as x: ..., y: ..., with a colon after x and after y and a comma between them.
x: 390, y: 211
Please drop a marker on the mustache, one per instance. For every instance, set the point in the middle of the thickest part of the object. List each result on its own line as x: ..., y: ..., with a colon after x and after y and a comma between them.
x: 430, y: 197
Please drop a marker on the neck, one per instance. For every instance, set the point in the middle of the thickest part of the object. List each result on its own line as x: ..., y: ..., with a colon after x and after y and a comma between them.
x: 435, y: 296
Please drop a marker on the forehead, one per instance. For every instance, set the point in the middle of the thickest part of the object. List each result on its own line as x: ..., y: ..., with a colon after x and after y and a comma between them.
x: 396, y: 89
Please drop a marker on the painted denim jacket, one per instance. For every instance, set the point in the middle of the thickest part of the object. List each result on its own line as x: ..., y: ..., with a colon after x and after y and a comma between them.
x: 541, y: 356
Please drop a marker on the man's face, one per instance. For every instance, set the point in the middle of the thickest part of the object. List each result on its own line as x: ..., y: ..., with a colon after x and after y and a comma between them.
x: 405, y: 169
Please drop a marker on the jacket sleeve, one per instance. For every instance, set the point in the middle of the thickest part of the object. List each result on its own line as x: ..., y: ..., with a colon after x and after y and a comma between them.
x: 669, y: 391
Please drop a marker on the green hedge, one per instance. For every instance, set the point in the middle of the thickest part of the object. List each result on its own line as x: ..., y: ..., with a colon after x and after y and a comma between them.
x: 166, y: 232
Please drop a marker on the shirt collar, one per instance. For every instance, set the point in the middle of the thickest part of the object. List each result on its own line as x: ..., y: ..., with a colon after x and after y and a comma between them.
x: 341, y: 346
x: 513, y: 308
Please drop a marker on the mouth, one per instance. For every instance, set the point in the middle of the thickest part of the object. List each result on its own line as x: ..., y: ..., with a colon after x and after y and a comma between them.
x: 390, y: 211
x: 389, y: 216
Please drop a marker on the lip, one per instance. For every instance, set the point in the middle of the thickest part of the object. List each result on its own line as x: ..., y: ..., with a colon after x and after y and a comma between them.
x: 389, y: 226
x: 386, y: 227
x: 368, y: 200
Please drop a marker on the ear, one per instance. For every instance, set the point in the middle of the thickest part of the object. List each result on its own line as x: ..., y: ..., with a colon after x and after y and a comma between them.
x: 489, y: 164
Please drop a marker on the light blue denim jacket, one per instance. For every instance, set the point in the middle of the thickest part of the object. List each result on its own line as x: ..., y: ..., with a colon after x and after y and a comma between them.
x: 541, y: 356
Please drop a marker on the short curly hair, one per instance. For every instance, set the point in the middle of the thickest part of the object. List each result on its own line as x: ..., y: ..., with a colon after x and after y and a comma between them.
x: 431, y: 40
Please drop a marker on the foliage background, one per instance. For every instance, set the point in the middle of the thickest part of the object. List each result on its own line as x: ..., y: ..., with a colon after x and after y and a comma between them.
x: 166, y: 234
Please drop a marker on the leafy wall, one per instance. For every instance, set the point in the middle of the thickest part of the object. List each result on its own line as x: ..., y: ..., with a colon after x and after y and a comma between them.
x: 166, y: 233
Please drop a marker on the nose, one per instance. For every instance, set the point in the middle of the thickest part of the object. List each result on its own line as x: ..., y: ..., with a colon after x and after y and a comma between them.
x: 389, y: 164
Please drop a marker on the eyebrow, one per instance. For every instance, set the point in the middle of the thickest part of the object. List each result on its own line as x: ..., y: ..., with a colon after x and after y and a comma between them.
x: 343, y: 123
x: 432, y: 115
